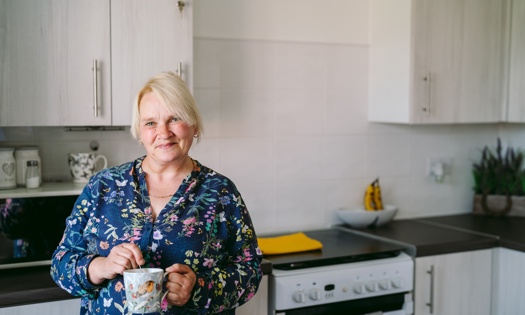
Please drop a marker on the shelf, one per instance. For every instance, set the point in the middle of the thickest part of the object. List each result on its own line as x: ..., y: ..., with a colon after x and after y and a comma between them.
x: 45, y: 190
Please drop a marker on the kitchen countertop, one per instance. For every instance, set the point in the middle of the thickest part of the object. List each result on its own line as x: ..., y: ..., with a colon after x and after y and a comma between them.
x: 430, y: 236
x: 433, y: 239
x: 34, y: 285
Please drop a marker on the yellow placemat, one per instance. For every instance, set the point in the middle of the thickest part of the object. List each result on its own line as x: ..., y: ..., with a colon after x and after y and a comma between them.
x: 292, y: 243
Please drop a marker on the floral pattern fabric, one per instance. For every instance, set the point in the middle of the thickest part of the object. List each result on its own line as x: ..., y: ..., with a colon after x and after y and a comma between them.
x: 205, y: 225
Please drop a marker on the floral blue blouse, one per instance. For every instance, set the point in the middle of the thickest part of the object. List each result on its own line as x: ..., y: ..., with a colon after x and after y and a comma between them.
x: 205, y: 225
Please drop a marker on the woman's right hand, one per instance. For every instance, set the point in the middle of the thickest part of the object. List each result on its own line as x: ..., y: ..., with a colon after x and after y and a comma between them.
x: 121, y: 257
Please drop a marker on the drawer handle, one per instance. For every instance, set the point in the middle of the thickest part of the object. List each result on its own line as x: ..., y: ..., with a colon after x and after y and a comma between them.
x: 431, y: 303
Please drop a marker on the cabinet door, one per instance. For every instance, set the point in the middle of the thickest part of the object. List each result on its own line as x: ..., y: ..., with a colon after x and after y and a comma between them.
x: 460, y: 283
x: 516, y: 106
x: 147, y: 39
x: 258, y: 305
x: 509, y: 277
x: 47, y: 51
x: 461, y: 45
x: 65, y: 307
x: 437, y: 61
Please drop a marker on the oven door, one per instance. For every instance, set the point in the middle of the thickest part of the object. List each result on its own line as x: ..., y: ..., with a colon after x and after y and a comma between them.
x: 393, y: 304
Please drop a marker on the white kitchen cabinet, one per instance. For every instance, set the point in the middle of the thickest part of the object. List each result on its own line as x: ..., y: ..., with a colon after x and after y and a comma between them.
x: 46, y: 62
x: 258, y: 305
x: 49, y: 48
x: 65, y: 307
x: 516, y: 99
x: 508, y: 282
x: 147, y: 39
x: 454, y: 284
x: 437, y: 61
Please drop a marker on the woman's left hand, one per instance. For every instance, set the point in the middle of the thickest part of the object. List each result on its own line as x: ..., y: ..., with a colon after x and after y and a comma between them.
x: 181, y: 280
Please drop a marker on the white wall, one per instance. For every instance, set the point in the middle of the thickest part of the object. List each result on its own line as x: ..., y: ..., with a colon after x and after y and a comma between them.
x: 284, y: 108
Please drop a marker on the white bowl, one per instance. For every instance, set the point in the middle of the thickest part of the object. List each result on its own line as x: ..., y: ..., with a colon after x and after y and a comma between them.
x: 360, y: 218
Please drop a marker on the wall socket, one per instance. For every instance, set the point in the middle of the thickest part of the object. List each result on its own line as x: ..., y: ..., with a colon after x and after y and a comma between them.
x: 446, y: 162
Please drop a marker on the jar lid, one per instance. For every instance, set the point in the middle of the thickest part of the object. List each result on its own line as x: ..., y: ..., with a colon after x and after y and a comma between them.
x: 27, y: 148
x: 32, y: 163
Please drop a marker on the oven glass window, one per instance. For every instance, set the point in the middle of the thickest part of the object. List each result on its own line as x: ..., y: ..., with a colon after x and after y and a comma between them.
x: 31, y: 228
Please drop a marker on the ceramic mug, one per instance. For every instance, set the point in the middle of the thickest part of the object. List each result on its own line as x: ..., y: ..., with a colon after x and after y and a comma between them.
x: 82, y: 165
x: 144, y: 289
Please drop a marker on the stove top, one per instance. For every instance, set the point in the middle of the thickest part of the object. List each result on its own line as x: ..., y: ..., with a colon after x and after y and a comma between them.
x: 339, y: 246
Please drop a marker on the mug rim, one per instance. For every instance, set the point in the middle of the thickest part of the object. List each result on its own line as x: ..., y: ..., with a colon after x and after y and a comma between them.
x: 144, y: 270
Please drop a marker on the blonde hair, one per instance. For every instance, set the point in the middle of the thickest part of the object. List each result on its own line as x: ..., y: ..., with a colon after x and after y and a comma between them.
x: 174, y: 94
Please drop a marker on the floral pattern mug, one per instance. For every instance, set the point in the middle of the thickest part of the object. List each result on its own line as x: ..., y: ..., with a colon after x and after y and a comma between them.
x: 82, y: 165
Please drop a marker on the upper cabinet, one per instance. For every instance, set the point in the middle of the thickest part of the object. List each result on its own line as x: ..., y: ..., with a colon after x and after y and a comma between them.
x: 81, y: 63
x: 147, y: 39
x: 46, y: 60
x: 437, y: 61
x: 516, y: 106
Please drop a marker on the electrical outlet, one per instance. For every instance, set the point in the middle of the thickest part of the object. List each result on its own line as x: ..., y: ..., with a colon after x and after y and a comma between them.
x: 446, y: 163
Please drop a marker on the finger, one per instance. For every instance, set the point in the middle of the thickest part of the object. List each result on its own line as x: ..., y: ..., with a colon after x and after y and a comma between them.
x: 132, y: 253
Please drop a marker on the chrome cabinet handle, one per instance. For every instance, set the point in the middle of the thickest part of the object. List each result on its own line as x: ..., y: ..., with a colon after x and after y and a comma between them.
x: 179, y: 69
x: 428, y: 89
x: 95, y: 87
x: 431, y: 303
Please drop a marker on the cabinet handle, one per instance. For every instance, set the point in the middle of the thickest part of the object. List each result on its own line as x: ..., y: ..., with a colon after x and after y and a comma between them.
x: 179, y: 69
x: 428, y: 89
x: 431, y: 303
x: 95, y: 87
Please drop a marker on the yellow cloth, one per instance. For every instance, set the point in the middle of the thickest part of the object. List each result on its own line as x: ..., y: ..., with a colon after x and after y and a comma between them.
x: 292, y: 243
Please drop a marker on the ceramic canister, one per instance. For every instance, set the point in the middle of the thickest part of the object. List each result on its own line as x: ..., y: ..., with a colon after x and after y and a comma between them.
x: 7, y: 168
x: 22, y: 155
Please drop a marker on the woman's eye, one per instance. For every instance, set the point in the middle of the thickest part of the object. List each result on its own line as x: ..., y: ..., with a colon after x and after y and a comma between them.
x: 174, y: 119
x: 149, y: 123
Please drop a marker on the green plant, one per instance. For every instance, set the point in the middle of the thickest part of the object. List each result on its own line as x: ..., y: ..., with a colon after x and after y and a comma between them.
x: 499, y: 173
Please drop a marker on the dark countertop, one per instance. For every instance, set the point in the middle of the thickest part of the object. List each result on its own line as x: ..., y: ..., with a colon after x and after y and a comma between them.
x: 432, y: 239
x: 508, y: 230
x: 32, y: 285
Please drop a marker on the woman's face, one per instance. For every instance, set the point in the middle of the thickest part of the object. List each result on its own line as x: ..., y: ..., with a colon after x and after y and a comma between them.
x: 165, y: 137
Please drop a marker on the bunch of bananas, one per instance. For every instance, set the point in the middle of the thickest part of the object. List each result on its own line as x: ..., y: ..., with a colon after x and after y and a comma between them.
x: 373, y: 197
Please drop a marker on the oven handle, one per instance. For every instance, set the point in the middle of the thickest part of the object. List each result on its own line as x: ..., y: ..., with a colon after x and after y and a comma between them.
x: 431, y: 303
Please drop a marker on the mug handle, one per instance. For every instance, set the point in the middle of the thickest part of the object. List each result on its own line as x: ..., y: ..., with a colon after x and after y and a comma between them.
x: 100, y: 156
x: 165, y: 293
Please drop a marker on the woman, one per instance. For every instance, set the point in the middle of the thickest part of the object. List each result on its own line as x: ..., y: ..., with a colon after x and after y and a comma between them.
x: 161, y: 210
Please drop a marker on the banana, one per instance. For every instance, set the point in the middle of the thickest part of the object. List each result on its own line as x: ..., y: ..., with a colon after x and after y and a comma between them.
x: 369, y: 197
x: 378, y: 203
x: 372, y: 198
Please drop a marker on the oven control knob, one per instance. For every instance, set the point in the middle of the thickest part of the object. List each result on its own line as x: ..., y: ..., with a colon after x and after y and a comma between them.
x: 397, y: 283
x: 359, y: 288
x: 371, y: 286
x: 384, y: 284
x: 299, y: 297
x: 315, y: 294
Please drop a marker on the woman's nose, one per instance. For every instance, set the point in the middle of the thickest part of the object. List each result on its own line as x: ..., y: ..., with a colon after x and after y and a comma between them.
x: 163, y: 131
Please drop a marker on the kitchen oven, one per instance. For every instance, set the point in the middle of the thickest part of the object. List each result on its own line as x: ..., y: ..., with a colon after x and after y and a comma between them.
x: 353, y: 274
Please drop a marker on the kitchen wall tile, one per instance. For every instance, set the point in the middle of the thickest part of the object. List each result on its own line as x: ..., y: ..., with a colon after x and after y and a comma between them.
x: 300, y: 65
x: 346, y: 111
x: 209, y: 104
x: 298, y: 159
x: 299, y: 112
x: 388, y: 155
x: 259, y: 199
x: 347, y: 67
x: 299, y: 206
x: 247, y: 64
x: 344, y: 157
x: 246, y: 112
x: 207, y: 63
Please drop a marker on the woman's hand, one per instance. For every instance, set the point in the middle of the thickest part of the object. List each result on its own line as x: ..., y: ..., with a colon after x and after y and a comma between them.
x: 181, y: 280
x: 122, y: 257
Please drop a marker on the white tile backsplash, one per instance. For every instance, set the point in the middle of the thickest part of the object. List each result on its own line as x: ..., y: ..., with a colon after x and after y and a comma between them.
x: 288, y: 123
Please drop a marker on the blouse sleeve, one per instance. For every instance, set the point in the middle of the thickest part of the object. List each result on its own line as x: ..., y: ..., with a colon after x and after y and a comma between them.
x: 233, y: 284
x: 71, y: 259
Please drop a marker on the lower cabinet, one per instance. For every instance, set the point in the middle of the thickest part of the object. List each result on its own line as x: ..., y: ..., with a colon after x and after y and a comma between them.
x: 258, y: 305
x: 509, y: 291
x: 66, y: 307
x: 454, y: 284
